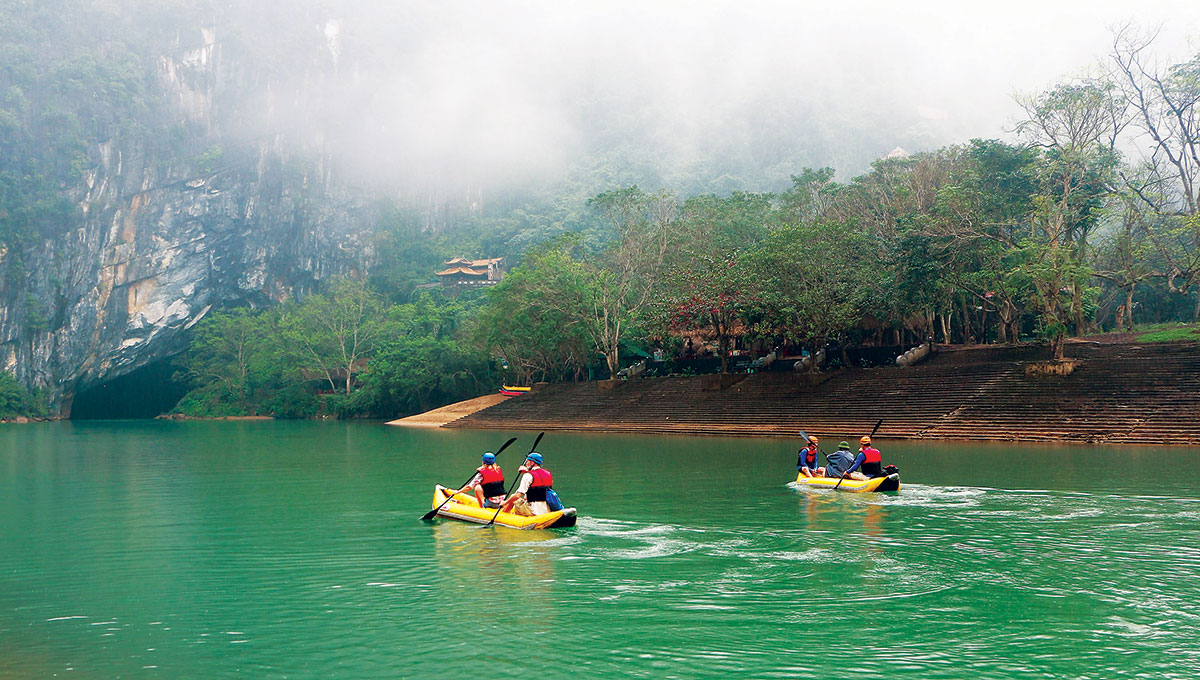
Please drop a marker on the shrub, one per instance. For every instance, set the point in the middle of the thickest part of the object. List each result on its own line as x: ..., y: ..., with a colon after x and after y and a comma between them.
x: 16, y: 400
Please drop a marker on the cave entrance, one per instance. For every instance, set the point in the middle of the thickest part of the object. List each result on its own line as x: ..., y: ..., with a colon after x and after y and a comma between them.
x: 146, y: 392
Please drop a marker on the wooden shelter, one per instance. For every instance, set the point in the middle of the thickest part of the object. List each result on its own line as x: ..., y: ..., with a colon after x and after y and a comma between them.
x: 463, y: 272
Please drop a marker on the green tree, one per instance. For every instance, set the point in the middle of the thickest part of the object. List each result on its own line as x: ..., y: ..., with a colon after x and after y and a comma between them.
x: 224, y: 351
x: 709, y: 293
x: 539, y: 338
x: 424, y: 360
x: 17, y: 401
x: 811, y: 195
x: 705, y: 286
x: 333, y: 334
x: 982, y: 214
x: 1125, y: 260
x: 1072, y: 122
x: 893, y: 203
x: 618, y: 288
x: 811, y: 282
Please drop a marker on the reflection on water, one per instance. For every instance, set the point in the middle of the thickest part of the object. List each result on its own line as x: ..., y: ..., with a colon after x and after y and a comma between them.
x: 295, y: 550
x: 476, y: 559
x: 507, y: 577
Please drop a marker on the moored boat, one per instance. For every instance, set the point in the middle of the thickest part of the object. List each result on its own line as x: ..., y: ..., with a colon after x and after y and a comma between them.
x: 466, y: 508
x: 889, y: 483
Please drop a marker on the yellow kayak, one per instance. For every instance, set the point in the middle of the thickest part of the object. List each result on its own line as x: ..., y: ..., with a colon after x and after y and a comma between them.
x: 888, y: 483
x: 467, y: 509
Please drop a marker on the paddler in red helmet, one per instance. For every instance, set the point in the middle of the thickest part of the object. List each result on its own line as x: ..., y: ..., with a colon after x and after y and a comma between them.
x: 806, y: 459
x: 868, y: 463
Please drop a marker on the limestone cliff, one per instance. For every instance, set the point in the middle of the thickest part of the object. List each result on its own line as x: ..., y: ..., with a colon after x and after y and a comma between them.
x: 160, y: 240
x: 155, y: 252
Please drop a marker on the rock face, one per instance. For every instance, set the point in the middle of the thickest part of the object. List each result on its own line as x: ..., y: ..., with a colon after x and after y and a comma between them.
x: 159, y: 243
x: 156, y: 252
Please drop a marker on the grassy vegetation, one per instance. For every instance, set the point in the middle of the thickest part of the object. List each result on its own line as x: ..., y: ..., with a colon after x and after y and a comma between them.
x: 16, y: 401
x: 1168, y: 332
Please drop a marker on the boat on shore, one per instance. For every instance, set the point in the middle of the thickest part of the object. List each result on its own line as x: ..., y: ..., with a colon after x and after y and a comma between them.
x: 514, y: 391
x: 888, y: 483
x: 465, y: 508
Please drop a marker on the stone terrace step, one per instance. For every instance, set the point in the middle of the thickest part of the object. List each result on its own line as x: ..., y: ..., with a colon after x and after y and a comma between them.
x: 1121, y: 393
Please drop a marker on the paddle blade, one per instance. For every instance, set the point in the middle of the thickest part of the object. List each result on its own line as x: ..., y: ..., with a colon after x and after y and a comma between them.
x: 448, y: 493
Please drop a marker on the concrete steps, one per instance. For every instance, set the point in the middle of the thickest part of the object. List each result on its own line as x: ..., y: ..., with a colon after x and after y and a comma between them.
x: 1120, y: 394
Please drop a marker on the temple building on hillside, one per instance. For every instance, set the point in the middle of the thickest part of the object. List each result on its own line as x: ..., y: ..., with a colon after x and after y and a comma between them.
x: 463, y: 272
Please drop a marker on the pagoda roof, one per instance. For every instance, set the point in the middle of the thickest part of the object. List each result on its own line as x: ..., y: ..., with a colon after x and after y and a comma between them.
x: 462, y: 270
x: 464, y: 262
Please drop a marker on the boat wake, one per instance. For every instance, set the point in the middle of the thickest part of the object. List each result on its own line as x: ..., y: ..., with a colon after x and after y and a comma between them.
x: 613, y: 539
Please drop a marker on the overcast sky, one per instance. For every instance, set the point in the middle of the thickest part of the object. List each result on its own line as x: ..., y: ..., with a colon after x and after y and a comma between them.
x: 498, y: 86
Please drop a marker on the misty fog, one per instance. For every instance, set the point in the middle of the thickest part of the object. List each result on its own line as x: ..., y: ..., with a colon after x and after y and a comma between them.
x: 434, y: 94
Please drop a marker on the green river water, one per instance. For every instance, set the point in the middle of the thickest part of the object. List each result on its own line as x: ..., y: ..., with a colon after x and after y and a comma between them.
x: 294, y: 550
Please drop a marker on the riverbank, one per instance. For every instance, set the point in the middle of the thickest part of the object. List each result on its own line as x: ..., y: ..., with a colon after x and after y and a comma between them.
x: 180, y: 416
x: 1117, y: 393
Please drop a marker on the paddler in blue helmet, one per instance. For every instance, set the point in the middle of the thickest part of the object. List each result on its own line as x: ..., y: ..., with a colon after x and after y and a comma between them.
x: 488, y: 483
x: 534, y: 495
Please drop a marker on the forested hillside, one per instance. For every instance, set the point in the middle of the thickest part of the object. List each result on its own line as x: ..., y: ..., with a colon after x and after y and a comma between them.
x: 265, y: 187
x: 1059, y: 233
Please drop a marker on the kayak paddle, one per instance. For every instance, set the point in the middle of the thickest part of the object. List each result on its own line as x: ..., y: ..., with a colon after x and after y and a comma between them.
x: 430, y: 515
x: 808, y: 440
x: 514, y: 483
x: 873, y: 431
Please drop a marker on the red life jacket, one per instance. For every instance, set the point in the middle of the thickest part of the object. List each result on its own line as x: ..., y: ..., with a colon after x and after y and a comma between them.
x: 493, y: 480
x: 542, y: 480
x: 810, y: 456
x: 871, y: 455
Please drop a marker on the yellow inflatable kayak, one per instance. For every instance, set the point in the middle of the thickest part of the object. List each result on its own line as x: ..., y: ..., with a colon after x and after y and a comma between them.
x: 467, y: 509
x: 888, y: 483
